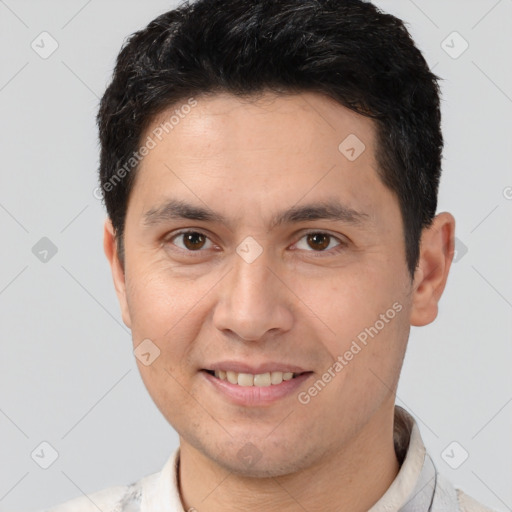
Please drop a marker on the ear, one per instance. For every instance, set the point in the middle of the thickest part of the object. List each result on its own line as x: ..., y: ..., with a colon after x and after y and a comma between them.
x: 110, y: 248
x: 437, y: 248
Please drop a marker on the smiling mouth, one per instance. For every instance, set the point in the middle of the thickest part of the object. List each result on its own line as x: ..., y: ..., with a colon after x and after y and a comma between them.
x: 258, y: 380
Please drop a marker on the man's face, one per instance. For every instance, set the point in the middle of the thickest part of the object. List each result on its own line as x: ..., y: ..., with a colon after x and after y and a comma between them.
x: 254, y: 296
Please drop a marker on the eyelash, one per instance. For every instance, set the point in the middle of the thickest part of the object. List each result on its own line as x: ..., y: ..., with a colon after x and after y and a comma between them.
x: 316, y: 254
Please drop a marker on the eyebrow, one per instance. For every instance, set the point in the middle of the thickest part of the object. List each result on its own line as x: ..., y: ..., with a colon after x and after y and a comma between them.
x: 331, y: 209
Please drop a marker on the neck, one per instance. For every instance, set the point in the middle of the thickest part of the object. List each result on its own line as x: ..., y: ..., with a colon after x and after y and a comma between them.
x: 352, y: 479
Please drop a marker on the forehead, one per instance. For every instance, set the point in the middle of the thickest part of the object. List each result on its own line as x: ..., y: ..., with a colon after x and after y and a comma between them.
x: 305, y: 122
x: 263, y: 153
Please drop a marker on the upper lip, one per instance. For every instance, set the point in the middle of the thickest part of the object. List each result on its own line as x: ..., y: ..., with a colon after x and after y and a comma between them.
x: 255, y: 369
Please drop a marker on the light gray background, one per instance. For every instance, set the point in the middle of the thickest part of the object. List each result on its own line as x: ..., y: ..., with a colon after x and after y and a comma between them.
x: 67, y: 372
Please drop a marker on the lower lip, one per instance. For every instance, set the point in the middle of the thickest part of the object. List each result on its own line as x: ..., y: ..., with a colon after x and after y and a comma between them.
x: 256, y: 395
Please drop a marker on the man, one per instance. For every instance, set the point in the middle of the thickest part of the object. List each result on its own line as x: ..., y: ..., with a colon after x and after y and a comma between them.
x: 270, y: 172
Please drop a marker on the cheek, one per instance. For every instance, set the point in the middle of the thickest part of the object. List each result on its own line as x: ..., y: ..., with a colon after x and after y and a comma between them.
x: 166, y: 386
x: 348, y: 304
x: 365, y: 331
x: 373, y: 353
x: 162, y: 314
x: 157, y: 303
x: 162, y: 328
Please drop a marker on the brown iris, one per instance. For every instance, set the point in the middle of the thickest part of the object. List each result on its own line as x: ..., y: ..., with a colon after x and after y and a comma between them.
x: 193, y: 240
x: 316, y: 238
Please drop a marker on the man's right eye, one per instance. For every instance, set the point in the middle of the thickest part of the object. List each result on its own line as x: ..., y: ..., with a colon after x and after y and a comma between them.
x: 192, y: 241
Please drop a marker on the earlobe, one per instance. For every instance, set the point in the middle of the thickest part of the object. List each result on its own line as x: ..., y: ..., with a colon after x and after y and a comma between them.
x: 118, y: 274
x: 436, y: 255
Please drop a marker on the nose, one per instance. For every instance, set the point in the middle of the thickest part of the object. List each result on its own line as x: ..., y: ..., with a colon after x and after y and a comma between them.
x: 254, y: 300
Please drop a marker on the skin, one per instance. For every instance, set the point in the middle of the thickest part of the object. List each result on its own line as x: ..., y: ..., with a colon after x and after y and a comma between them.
x: 296, y: 303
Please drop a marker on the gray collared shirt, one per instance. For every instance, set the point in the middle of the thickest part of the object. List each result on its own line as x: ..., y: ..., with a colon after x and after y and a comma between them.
x: 418, y: 487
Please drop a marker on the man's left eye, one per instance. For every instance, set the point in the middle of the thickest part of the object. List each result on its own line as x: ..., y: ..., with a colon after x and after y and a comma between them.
x: 321, y: 242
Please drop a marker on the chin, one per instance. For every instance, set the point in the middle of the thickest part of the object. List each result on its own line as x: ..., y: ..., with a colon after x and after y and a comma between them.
x: 260, y: 469
x: 251, y: 462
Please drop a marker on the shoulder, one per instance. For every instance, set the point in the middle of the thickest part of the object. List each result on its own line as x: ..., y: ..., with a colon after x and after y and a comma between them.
x: 468, y: 504
x: 161, y: 485
x: 112, y: 499
x: 448, y: 497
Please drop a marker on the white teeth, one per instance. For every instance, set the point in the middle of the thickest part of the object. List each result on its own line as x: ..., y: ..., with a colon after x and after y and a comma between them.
x: 276, y: 377
x: 245, y: 379
x: 262, y: 379
x: 259, y: 380
x: 232, y: 377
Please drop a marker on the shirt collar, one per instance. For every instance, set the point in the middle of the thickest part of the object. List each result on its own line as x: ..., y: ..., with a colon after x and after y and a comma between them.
x: 413, y: 488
